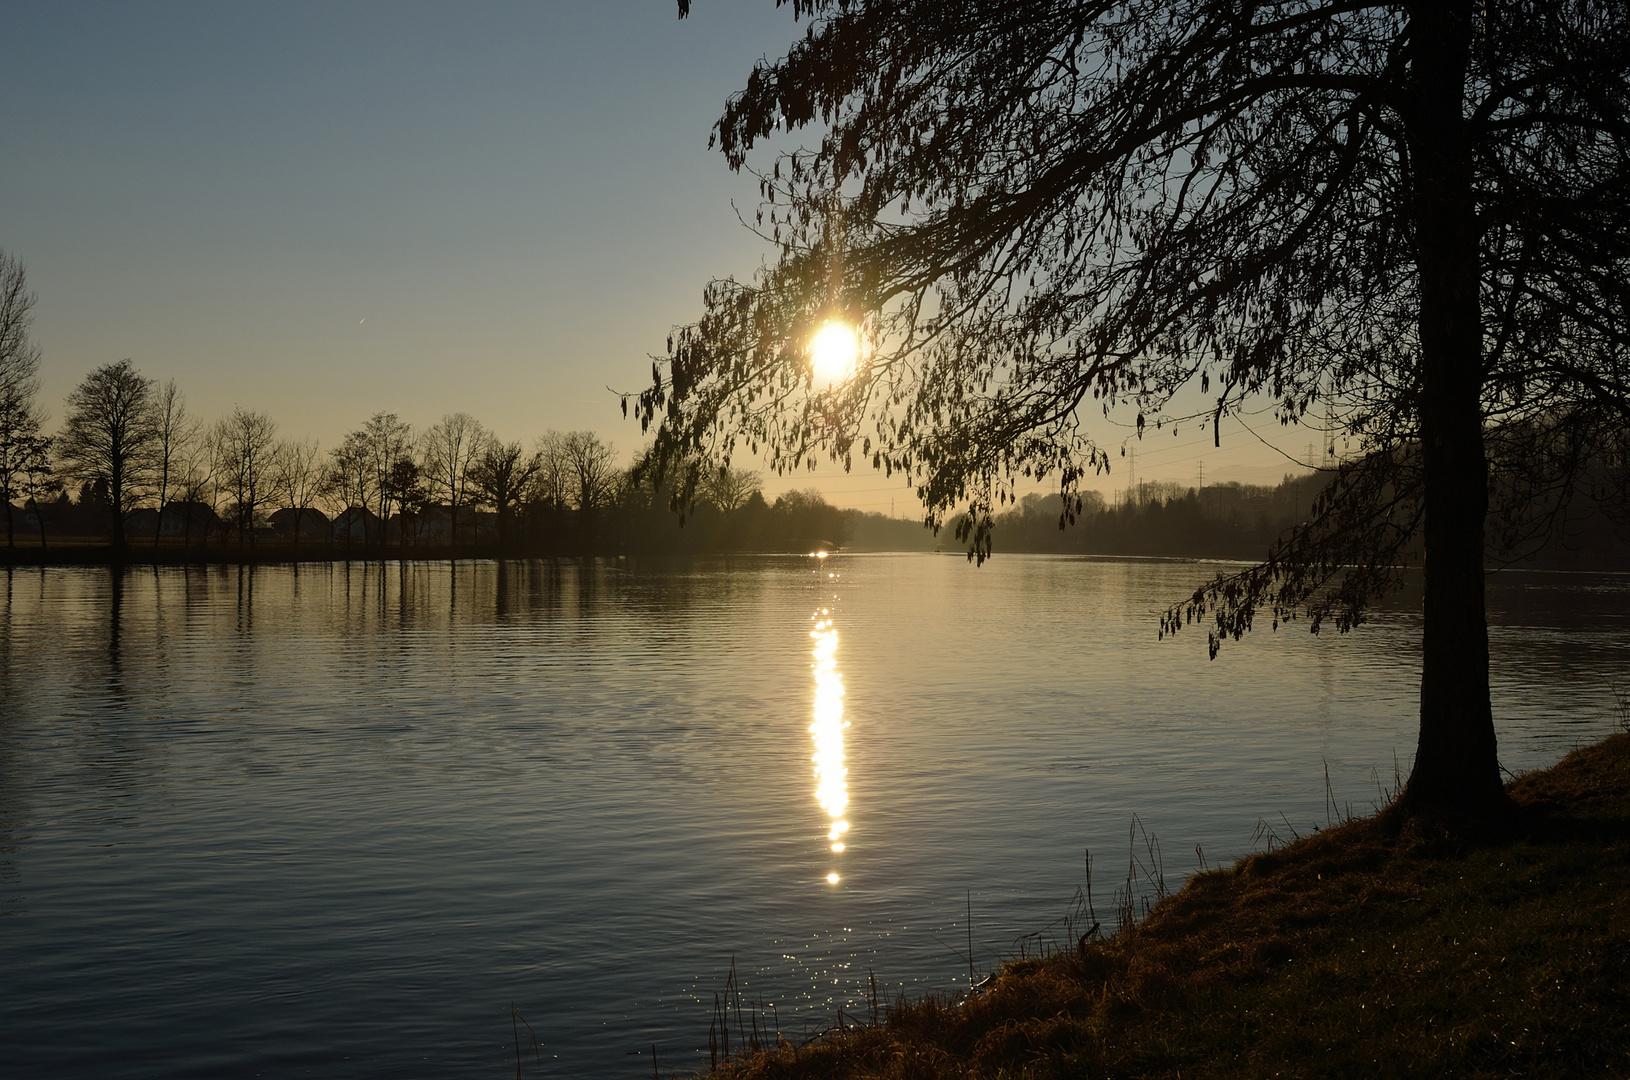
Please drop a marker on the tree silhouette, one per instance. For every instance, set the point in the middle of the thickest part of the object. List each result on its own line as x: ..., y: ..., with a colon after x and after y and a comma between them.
x: 729, y: 488
x: 591, y: 470
x: 554, y: 482
x: 109, y: 438
x: 173, y: 433
x: 503, y: 477
x: 385, y: 441
x: 22, y: 448
x: 1037, y: 209
x: 195, y: 482
x: 247, y: 443
x: 352, y: 479
x: 450, y: 448
x: 297, y: 476
x: 33, y: 463
x: 407, y: 488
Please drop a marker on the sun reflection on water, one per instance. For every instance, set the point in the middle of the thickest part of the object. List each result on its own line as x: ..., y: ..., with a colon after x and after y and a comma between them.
x: 831, y: 777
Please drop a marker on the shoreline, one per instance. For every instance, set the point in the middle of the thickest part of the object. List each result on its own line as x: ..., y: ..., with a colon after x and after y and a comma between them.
x: 103, y: 555
x: 1369, y: 948
x: 82, y: 553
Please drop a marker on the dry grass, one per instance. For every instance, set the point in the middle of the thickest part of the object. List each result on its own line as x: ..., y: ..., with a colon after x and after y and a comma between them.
x: 1374, y: 948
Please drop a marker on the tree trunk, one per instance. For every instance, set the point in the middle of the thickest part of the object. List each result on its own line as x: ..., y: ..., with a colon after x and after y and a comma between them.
x: 116, y: 493
x: 1456, y: 769
x: 163, y: 490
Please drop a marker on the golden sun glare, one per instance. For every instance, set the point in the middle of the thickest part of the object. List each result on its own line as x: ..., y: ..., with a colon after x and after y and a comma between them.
x: 836, y: 350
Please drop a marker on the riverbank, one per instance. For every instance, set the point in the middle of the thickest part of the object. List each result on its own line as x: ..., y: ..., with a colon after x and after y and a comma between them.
x: 82, y: 553
x: 1364, y: 950
x: 270, y: 555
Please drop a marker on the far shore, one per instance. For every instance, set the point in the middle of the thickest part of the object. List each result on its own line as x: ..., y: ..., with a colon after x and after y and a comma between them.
x: 93, y: 551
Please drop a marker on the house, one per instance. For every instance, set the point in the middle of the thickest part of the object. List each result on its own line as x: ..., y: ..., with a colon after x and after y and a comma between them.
x: 358, y: 524
x: 312, y: 522
x: 180, y: 521
x: 435, y: 525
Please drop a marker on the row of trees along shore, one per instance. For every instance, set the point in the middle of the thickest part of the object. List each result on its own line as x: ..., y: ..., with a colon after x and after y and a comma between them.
x: 149, y: 479
x: 133, y: 473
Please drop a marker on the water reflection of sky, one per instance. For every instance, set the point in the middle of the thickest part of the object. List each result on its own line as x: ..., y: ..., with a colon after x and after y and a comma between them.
x: 253, y: 819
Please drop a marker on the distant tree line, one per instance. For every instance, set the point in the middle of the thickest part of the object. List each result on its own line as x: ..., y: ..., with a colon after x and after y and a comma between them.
x: 133, y: 467
x: 1238, y: 521
x: 1158, y: 518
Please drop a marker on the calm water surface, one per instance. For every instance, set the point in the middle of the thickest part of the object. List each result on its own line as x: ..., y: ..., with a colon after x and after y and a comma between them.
x: 334, y: 820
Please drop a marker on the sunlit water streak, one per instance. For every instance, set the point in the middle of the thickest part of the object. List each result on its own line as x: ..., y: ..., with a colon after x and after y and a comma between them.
x: 831, y: 775
x: 332, y: 820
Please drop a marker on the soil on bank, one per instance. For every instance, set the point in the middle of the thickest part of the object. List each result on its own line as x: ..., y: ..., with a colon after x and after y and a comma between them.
x: 1370, y: 949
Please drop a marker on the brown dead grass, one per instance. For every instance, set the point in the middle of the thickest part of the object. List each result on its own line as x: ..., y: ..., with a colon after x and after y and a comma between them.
x: 1376, y: 948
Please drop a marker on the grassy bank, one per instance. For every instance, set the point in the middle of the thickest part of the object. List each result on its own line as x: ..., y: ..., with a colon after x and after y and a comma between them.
x: 1375, y: 948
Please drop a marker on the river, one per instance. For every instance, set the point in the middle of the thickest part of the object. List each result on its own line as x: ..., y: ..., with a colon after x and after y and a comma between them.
x: 362, y: 819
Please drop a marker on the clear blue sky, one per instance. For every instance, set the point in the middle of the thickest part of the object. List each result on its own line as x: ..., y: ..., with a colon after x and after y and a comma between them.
x: 324, y: 210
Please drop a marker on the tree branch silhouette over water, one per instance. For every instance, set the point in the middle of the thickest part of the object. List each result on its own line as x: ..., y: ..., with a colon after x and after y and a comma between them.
x: 1413, y: 215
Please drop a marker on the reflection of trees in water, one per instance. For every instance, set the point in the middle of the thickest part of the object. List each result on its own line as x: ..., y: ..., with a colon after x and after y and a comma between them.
x: 116, y: 596
x: 246, y: 599
x: 7, y: 691
x: 428, y: 595
x: 452, y: 590
x: 541, y: 587
x: 12, y: 807
x: 517, y: 588
x: 406, y: 587
x: 87, y: 632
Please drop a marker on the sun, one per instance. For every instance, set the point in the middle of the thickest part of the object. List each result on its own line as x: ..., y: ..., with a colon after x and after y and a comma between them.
x: 835, y: 349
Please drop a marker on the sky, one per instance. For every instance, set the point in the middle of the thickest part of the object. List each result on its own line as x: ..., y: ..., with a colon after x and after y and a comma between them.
x: 322, y: 211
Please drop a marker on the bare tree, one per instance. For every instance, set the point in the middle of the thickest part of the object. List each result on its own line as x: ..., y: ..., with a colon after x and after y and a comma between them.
x: 20, y: 419
x: 554, y: 481
x: 194, y: 481
x: 246, y: 441
x: 109, y: 437
x: 21, y: 445
x: 590, y: 466
x: 38, y: 479
x: 352, y: 479
x: 551, y: 494
x: 449, y: 449
x: 19, y: 355
x: 386, y: 440
x: 297, y: 476
x: 409, y: 491
x: 174, y: 429
x: 327, y: 495
x: 502, y: 478
x: 729, y: 489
